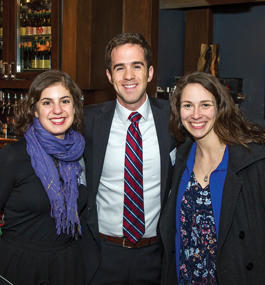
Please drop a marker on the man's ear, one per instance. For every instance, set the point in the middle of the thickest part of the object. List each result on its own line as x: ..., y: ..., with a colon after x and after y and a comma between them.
x: 109, y: 76
x: 150, y: 73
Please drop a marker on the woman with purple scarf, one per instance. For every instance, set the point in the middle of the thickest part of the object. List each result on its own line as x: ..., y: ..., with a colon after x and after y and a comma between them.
x: 43, y: 187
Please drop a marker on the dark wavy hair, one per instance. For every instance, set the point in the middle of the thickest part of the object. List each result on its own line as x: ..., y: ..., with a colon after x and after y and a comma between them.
x: 25, y: 111
x: 230, y: 125
x: 128, y: 38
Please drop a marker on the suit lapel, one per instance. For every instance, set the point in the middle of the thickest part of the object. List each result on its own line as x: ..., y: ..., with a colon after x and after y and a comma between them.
x: 161, y: 118
x: 101, y: 131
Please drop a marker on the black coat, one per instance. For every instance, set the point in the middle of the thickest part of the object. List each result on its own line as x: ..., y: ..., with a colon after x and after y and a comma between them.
x: 241, y: 241
x: 98, y: 120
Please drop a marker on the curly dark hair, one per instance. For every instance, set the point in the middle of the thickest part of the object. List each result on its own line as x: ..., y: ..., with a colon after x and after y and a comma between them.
x: 128, y: 38
x: 25, y: 111
x: 230, y: 125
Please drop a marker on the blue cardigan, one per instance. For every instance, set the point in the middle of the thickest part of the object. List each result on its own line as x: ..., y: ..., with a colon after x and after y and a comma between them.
x: 216, y: 182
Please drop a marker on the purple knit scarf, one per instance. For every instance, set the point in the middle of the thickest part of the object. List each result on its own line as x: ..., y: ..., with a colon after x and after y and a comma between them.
x: 63, y: 196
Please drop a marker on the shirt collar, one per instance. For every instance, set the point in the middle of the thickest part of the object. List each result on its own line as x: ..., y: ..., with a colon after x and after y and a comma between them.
x: 124, y: 113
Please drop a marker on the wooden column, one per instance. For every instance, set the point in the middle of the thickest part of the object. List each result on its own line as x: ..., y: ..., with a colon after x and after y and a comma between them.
x: 88, y: 25
x: 198, y: 30
x: 141, y: 16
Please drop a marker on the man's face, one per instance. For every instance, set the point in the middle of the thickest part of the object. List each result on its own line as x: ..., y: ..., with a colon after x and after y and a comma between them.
x: 129, y: 75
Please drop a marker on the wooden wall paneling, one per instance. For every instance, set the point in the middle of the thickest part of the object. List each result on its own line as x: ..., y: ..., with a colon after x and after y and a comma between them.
x: 83, y: 44
x: 176, y: 4
x: 55, y: 22
x: 198, y: 30
x: 106, y: 22
x: 69, y: 36
x: 143, y: 17
x: 88, y: 25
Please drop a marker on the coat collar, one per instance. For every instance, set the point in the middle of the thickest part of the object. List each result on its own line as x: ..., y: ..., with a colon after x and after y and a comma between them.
x: 240, y: 157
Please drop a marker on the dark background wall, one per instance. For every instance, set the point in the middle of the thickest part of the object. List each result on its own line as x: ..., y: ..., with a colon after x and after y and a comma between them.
x: 239, y: 29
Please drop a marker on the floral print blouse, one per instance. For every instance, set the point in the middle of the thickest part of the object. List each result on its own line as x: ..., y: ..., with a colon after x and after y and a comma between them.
x: 198, y: 236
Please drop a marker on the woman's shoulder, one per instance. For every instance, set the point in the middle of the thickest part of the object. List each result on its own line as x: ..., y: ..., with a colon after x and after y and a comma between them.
x: 241, y: 156
x: 252, y: 149
x: 14, y: 150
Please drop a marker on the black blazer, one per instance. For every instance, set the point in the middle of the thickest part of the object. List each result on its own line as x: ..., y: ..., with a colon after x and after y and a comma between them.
x: 241, y: 247
x: 98, y: 121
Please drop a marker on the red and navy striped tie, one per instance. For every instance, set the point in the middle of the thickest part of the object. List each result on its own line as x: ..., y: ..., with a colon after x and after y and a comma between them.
x: 133, y: 211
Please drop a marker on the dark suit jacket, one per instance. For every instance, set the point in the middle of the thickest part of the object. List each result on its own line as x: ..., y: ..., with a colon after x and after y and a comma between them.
x: 241, y: 241
x: 98, y: 121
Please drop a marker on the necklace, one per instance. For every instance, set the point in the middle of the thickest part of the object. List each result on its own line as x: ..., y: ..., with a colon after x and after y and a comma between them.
x: 206, y: 177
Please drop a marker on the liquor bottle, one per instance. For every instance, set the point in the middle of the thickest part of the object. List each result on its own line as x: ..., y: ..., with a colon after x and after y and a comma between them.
x: 25, y: 55
x: 8, y: 103
x: 21, y: 97
x: 35, y: 23
x: 40, y: 23
x: 29, y: 25
x: 29, y: 55
x: 42, y: 50
x: 44, y: 21
x: 35, y: 57
x: 49, y: 24
x: 47, y: 57
x: 15, y: 101
x: 34, y: 60
x: 23, y: 31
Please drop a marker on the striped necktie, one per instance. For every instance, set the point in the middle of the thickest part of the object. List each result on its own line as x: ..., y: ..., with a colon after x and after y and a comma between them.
x: 133, y: 211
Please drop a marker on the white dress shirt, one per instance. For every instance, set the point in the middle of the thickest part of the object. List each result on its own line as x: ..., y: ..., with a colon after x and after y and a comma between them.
x: 110, y: 197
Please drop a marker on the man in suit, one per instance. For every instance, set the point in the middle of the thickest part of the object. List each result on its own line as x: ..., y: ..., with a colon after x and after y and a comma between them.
x: 111, y: 257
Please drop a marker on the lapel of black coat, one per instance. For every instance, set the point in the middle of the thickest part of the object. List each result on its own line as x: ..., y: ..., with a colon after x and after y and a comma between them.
x: 101, y: 130
x: 231, y: 191
x: 232, y: 187
x: 168, y: 212
x: 161, y: 119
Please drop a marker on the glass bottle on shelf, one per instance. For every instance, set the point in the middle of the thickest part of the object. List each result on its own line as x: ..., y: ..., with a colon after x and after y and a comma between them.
x: 49, y: 27
x: 25, y: 55
x: 23, y: 30
x: 44, y: 21
x: 47, y: 56
x: 33, y: 20
x: 35, y: 23
x: 29, y: 55
x: 29, y: 26
x: 40, y: 23
x: 42, y: 49
x: 35, y: 56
